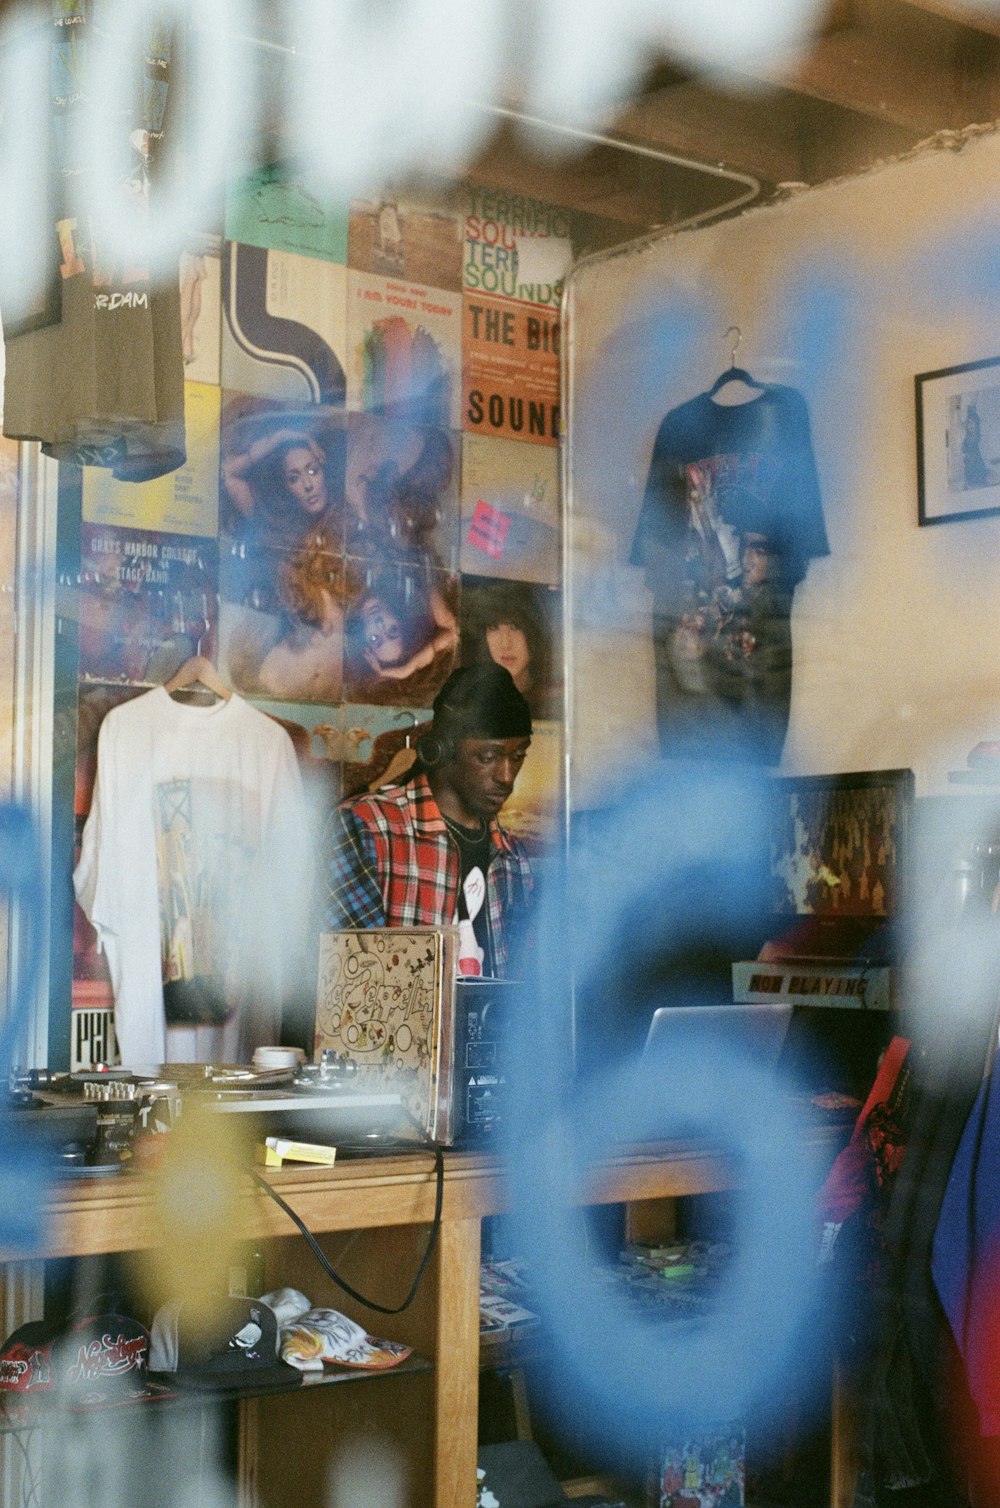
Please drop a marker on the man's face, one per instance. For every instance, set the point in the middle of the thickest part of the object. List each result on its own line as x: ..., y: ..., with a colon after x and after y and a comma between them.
x: 483, y: 771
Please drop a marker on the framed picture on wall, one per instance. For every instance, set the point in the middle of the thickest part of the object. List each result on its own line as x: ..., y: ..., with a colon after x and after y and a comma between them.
x: 958, y: 442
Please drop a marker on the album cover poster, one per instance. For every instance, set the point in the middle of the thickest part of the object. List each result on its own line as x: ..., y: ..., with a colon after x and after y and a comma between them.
x: 511, y: 512
x: 378, y: 745
x: 185, y: 501
x: 401, y: 490
x: 283, y: 577
x: 313, y: 727
x: 288, y: 655
x: 201, y: 308
x: 510, y: 370
x: 707, y: 1469
x: 839, y: 843
x: 516, y: 247
x: 383, y: 999
x: 534, y: 811
x: 92, y: 1031
x: 284, y: 325
x: 148, y: 602
x: 315, y: 731
x: 404, y: 349
x: 91, y: 988
x: 274, y: 208
x: 404, y: 236
x: 517, y: 625
x: 401, y: 632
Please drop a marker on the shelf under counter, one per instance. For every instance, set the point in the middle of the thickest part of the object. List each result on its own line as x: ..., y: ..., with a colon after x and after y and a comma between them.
x: 35, y: 1413
x: 394, y: 1195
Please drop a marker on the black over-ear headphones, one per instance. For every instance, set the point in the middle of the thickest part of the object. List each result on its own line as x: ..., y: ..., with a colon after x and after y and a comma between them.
x: 434, y: 749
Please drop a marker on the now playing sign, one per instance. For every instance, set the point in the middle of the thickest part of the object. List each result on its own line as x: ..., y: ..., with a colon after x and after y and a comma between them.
x: 863, y: 986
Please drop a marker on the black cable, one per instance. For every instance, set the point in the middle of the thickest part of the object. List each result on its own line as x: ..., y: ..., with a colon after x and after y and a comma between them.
x: 327, y: 1266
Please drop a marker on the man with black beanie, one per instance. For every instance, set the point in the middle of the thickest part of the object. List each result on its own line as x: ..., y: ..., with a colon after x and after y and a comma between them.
x: 400, y: 857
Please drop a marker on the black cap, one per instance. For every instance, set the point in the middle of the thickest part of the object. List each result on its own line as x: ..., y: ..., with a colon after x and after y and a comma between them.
x: 481, y: 701
x: 239, y: 1350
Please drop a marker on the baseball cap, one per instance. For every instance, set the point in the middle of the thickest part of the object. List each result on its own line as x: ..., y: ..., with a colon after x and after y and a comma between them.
x: 96, y: 1361
x: 26, y: 1359
x: 239, y: 1349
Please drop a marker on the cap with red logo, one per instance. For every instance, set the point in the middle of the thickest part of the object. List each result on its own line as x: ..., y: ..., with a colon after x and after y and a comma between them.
x: 26, y: 1359
x: 95, y: 1362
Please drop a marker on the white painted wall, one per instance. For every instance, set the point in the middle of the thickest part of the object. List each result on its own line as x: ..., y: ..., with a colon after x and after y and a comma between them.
x: 846, y: 292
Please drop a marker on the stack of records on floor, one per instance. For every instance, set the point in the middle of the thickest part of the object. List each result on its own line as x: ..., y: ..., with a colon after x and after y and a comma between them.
x: 503, y: 1300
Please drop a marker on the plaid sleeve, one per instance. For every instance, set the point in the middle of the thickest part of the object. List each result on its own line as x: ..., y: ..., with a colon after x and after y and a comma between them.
x: 353, y: 898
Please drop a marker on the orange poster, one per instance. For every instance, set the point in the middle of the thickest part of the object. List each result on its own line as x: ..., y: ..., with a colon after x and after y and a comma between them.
x: 510, y: 370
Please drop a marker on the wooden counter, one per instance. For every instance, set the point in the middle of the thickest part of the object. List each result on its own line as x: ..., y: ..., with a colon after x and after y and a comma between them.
x: 393, y: 1197
x: 113, y: 1214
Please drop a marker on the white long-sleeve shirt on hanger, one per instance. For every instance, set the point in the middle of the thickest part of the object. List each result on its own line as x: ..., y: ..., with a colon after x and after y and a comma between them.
x: 195, y: 871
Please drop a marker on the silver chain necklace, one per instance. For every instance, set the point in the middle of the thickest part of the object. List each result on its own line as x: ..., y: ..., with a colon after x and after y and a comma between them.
x: 463, y: 832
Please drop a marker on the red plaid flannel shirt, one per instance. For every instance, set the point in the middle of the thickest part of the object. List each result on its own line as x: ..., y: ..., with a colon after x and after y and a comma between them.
x: 394, y: 864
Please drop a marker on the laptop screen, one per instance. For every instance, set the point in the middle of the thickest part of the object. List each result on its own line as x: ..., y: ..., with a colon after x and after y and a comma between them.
x: 758, y: 1030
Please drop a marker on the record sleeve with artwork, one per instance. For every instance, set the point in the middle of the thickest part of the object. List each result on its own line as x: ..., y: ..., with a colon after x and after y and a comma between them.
x: 385, y: 1000
x: 839, y: 843
x: 839, y: 864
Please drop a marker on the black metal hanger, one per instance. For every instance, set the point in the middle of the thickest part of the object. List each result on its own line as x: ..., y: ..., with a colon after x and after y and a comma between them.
x: 733, y: 373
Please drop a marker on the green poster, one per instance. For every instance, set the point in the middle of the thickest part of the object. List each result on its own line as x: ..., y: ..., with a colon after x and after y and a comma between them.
x: 273, y: 209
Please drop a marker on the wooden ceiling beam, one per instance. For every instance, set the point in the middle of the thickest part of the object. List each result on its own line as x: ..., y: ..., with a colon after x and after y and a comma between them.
x: 899, y: 64
x: 974, y: 17
x: 753, y: 131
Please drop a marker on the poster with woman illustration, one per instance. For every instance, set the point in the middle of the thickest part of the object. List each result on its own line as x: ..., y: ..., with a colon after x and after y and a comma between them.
x: 283, y: 577
x: 400, y: 633
x: 338, y: 534
x: 401, y: 491
x: 515, y: 624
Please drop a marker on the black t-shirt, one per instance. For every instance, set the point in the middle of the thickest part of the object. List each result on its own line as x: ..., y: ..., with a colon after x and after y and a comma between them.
x: 730, y: 519
x: 475, y: 849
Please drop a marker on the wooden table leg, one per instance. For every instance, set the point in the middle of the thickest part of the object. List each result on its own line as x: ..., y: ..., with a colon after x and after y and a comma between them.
x: 843, y: 1441
x: 247, y: 1436
x: 456, y: 1382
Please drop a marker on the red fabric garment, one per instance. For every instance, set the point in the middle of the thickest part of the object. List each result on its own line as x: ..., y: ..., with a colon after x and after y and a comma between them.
x: 875, y: 1151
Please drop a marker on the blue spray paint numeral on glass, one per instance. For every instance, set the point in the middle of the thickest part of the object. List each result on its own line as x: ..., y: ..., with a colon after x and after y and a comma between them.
x: 24, y: 1170
x: 678, y: 866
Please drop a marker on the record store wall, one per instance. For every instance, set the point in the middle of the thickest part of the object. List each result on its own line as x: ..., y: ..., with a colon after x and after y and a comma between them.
x: 371, y: 497
x: 846, y: 293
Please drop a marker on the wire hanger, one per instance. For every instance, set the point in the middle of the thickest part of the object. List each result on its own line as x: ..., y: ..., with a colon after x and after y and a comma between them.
x: 733, y: 373
x: 399, y: 717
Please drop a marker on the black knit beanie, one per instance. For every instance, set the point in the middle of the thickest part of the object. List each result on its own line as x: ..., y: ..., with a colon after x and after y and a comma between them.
x: 481, y: 701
